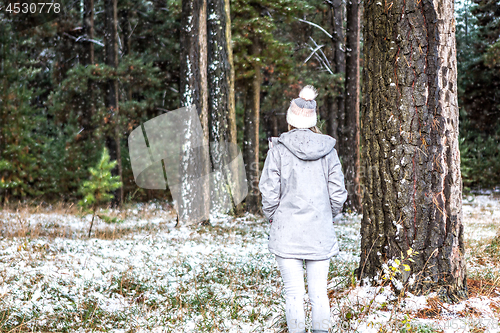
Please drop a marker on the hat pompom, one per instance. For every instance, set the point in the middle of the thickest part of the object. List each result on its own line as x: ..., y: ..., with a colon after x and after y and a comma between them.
x: 308, y: 93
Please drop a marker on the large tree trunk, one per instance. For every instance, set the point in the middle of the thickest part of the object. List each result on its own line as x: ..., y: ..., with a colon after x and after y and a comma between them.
x: 193, y: 91
x: 251, y: 135
x: 221, y: 104
x: 349, y: 141
x: 413, y: 187
x: 111, y: 48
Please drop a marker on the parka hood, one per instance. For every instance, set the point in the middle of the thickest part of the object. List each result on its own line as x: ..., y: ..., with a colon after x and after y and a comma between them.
x: 307, y: 145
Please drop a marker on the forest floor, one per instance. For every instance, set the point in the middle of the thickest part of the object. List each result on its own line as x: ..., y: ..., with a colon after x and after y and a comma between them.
x: 146, y: 275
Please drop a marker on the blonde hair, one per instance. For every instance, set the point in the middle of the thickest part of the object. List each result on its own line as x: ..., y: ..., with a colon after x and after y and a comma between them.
x: 315, y: 129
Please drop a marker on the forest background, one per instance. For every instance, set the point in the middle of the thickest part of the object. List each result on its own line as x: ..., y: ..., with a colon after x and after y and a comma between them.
x: 61, y: 104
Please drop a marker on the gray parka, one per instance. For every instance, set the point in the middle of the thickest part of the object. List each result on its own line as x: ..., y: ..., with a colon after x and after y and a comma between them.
x: 302, y: 188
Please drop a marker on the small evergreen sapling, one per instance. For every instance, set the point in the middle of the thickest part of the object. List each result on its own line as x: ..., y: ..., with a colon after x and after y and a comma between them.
x: 96, y: 189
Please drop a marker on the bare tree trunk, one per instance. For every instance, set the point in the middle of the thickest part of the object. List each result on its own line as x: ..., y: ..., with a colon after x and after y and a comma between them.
x: 274, y: 121
x: 335, y: 105
x: 111, y: 48
x: 251, y: 135
x: 194, y: 54
x: 349, y: 141
x: 193, y: 91
x: 127, y: 42
x: 231, y: 115
x: 221, y: 104
x: 232, y: 94
x: 88, y: 60
x: 94, y: 208
x: 233, y: 134
x: 219, y: 73
x: 88, y: 31
x: 328, y: 111
x: 413, y: 187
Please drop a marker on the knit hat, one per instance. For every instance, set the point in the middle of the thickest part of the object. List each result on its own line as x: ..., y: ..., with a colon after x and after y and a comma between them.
x: 302, y: 110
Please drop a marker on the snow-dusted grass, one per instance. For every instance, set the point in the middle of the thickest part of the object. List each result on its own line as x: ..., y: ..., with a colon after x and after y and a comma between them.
x: 146, y: 275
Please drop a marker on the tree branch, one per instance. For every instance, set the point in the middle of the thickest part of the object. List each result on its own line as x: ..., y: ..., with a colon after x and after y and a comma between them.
x: 315, y: 25
x: 324, y: 56
x: 313, y: 52
x: 322, y: 62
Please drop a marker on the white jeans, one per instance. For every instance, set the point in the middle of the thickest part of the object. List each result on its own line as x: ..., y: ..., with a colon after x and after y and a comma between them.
x: 292, y: 273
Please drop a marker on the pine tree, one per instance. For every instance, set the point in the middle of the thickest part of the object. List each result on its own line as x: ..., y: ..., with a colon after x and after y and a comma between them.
x: 478, y: 60
x: 480, y: 75
x: 19, y: 146
x: 97, y: 189
x: 413, y: 195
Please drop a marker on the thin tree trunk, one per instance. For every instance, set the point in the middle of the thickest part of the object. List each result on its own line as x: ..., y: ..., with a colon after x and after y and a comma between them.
x: 194, y: 91
x: 274, y: 122
x: 127, y: 41
x: 4, y: 48
x: 335, y: 105
x: 231, y: 115
x: 334, y: 100
x: 233, y: 134
x: 413, y: 187
x: 111, y: 48
x: 88, y: 60
x: 349, y: 141
x: 325, y: 110
x: 251, y: 135
x: 94, y: 207
x: 88, y: 31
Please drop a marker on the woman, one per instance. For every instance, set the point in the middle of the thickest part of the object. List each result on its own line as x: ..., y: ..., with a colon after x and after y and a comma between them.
x: 302, y: 188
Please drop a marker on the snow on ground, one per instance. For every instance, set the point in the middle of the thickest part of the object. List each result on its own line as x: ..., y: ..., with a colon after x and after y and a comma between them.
x: 147, y: 275
x: 481, y: 216
x: 481, y: 219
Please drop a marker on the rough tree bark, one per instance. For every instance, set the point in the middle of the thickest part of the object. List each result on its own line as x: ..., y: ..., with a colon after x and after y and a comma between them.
x: 193, y: 91
x: 413, y: 194
x: 221, y: 104
x: 219, y: 74
x: 111, y: 52
x: 251, y: 133
x: 349, y: 140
